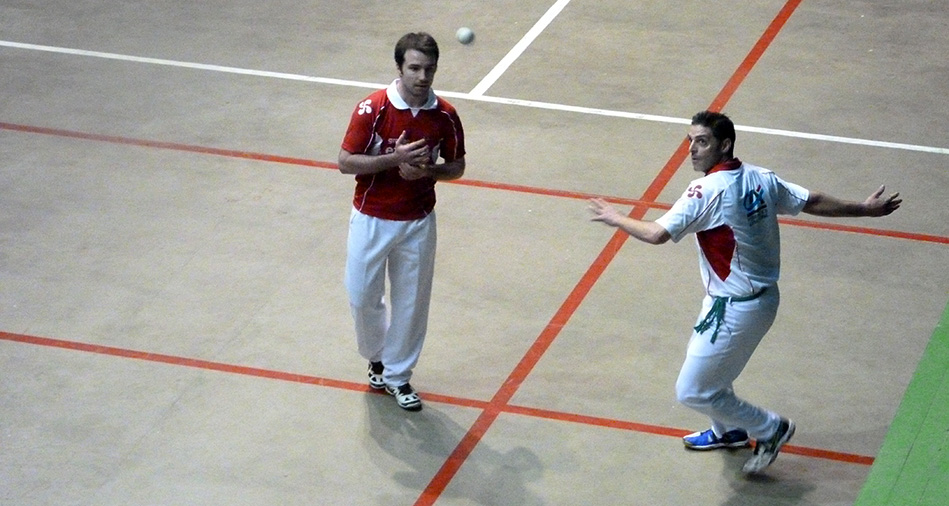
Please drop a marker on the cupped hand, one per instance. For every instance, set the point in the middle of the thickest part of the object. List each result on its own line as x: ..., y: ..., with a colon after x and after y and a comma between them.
x: 877, y: 206
x: 412, y: 172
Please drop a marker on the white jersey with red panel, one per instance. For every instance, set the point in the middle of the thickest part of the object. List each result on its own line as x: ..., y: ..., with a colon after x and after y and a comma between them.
x: 375, y: 126
x: 733, y: 213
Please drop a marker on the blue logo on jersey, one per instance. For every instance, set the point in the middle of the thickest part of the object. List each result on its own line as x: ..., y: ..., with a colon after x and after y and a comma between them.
x: 755, y: 206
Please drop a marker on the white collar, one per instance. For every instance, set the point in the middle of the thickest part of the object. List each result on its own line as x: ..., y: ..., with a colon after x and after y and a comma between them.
x: 399, y: 103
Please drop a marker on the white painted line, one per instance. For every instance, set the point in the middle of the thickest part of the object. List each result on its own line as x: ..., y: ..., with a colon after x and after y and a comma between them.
x: 519, y: 48
x: 843, y: 140
x: 686, y: 121
x: 566, y: 108
x: 189, y: 65
x: 468, y: 96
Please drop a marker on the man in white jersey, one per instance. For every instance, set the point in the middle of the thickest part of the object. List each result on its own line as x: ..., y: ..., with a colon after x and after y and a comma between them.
x: 733, y: 210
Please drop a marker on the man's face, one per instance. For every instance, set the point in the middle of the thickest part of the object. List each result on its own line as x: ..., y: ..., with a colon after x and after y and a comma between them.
x: 417, y: 74
x: 706, y: 150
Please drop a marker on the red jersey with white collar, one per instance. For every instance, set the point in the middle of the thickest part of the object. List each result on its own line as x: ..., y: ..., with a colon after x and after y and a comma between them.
x: 375, y: 126
x: 733, y: 212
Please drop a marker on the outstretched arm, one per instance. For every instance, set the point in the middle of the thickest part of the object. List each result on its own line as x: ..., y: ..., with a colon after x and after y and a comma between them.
x: 646, y: 231
x: 821, y: 204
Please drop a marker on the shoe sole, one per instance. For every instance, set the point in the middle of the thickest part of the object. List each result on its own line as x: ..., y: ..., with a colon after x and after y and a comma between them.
x: 718, y: 446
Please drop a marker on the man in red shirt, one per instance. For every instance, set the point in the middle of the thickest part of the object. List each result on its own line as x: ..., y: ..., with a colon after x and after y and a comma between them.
x: 393, y: 145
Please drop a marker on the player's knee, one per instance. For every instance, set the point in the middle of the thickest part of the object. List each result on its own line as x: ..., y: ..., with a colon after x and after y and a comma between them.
x: 361, y: 298
x: 691, y: 396
x: 688, y: 399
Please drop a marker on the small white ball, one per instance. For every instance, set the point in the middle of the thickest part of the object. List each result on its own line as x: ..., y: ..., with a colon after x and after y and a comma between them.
x: 465, y: 35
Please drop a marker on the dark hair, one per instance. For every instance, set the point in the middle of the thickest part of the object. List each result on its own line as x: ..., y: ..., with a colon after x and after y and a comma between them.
x: 421, y: 42
x: 721, y: 126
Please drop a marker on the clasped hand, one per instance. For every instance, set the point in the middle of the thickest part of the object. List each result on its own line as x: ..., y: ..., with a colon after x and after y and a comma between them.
x: 415, y: 159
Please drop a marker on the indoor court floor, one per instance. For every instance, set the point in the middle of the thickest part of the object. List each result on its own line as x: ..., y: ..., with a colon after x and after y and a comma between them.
x: 173, y: 325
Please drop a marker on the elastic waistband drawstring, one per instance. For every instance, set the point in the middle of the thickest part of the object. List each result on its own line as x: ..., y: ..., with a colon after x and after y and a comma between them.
x: 717, y: 313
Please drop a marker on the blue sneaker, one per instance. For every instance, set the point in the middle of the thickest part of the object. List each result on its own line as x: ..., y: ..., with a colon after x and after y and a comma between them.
x: 707, y: 440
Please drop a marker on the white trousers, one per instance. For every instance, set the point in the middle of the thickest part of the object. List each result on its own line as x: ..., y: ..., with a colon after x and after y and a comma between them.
x: 406, y: 250
x: 705, y: 381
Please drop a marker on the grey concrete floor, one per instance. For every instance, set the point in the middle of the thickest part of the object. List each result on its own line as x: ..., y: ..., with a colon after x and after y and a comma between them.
x: 173, y: 325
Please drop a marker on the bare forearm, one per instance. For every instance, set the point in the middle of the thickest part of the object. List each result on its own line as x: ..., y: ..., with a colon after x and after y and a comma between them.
x: 821, y: 204
x: 646, y: 231
x: 449, y: 170
x: 356, y: 164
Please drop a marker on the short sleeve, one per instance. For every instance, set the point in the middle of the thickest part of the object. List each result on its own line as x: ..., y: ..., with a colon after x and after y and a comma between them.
x: 359, y: 134
x: 453, y: 134
x: 790, y: 198
x: 693, y: 212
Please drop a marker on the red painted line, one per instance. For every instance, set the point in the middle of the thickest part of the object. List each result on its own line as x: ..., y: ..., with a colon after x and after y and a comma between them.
x: 596, y: 421
x: 548, y: 192
x: 458, y: 456
x: 189, y: 148
x: 850, y: 458
x: 455, y: 401
x: 460, y: 453
x: 817, y: 453
x: 647, y: 202
x: 754, y: 55
x: 361, y: 387
x: 896, y: 234
x: 183, y: 361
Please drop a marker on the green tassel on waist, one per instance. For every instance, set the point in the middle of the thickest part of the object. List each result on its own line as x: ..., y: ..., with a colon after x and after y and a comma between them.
x: 717, y: 313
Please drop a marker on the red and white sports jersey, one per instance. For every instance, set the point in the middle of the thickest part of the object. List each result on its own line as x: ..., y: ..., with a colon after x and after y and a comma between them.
x: 375, y: 126
x: 733, y: 212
